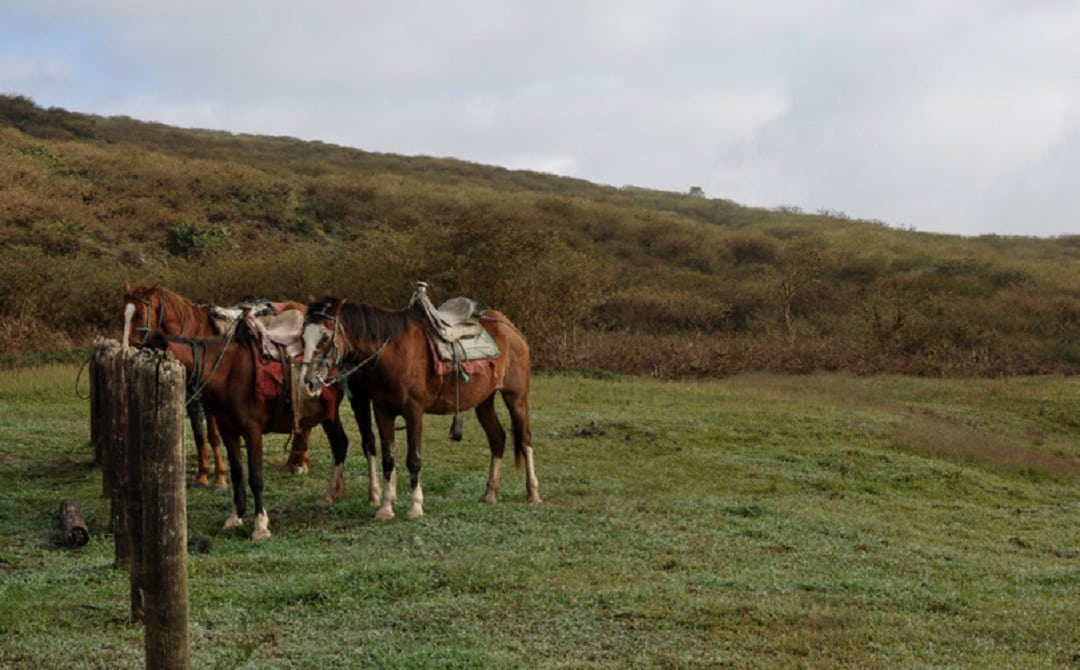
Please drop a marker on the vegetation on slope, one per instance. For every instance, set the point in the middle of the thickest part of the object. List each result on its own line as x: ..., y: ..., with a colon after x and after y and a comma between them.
x: 624, y: 279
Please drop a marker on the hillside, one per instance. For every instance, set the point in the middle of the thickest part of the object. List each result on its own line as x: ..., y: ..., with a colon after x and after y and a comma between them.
x: 619, y: 279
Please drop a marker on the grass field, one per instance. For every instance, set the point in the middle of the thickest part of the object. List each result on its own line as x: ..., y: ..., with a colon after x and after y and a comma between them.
x: 751, y: 522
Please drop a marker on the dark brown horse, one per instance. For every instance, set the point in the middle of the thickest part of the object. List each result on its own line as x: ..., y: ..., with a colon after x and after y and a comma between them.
x: 225, y: 373
x: 150, y: 309
x: 387, y: 354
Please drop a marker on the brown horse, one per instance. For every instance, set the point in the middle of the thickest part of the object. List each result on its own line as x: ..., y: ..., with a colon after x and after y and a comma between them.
x: 387, y: 354
x: 150, y: 309
x: 224, y: 373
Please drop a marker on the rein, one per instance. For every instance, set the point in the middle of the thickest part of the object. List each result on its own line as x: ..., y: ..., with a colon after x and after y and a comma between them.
x: 196, y: 387
x: 340, y: 357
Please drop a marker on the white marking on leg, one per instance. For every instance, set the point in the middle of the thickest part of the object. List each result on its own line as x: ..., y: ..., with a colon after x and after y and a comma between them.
x: 335, y: 490
x: 262, y: 526
x: 416, y: 502
x: 386, y: 512
x: 494, y: 482
x: 234, y: 520
x: 374, y: 486
x: 532, y: 485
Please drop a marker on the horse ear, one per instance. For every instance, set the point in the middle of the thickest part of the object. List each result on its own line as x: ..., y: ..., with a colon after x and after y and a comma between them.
x: 127, y: 287
x: 338, y: 305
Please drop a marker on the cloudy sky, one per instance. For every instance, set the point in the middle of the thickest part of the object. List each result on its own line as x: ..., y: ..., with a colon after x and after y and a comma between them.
x: 954, y: 116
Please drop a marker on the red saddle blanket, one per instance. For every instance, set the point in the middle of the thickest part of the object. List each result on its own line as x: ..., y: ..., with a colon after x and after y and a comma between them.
x: 270, y: 381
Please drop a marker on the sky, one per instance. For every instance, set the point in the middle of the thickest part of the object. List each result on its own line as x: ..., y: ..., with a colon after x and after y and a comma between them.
x: 949, y: 116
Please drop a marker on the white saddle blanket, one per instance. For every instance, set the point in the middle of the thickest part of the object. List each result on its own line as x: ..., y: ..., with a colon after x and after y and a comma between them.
x: 479, y: 346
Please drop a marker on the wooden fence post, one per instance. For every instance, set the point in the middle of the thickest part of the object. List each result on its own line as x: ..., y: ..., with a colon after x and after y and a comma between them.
x: 108, y: 409
x: 132, y: 509
x: 137, y: 418
x: 109, y: 434
x: 157, y: 398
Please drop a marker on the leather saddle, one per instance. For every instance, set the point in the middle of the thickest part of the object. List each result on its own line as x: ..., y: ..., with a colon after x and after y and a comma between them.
x: 455, y: 328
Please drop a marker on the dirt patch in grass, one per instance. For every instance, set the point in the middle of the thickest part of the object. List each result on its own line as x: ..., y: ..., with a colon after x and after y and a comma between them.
x: 949, y: 439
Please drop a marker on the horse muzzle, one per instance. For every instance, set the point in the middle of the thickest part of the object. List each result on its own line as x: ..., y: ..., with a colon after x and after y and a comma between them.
x: 311, y: 383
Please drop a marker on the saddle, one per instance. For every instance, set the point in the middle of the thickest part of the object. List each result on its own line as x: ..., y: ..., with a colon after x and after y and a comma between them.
x: 459, y: 343
x: 455, y: 331
x: 269, y: 327
x: 226, y: 318
x: 278, y: 342
x: 280, y: 334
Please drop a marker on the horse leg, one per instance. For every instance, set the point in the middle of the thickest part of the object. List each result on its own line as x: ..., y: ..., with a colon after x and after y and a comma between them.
x: 489, y: 420
x: 518, y: 405
x: 339, y: 447
x: 236, y: 472
x: 262, y: 519
x: 299, y: 458
x: 384, y: 421
x: 361, y: 406
x: 213, y: 435
x: 414, y: 427
x: 195, y: 417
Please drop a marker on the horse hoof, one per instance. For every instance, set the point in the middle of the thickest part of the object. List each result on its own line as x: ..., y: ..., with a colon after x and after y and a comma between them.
x: 260, y: 535
x: 415, y: 512
x: 221, y: 487
x: 199, y: 484
x: 489, y: 498
x: 233, y: 522
x: 535, y: 500
x: 384, y: 514
x: 325, y: 502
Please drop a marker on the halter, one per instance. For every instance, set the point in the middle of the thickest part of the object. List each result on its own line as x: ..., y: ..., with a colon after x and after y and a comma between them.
x: 149, y: 328
x: 324, y: 363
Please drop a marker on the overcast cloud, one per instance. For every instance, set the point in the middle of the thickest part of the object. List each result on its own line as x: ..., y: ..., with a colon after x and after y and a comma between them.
x: 937, y: 115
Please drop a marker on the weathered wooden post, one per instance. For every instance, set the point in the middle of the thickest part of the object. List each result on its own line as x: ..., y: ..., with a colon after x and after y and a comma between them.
x: 131, y: 493
x: 108, y: 409
x: 76, y: 534
x: 109, y: 434
x: 157, y: 399
x: 137, y: 417
x: 97, y: 411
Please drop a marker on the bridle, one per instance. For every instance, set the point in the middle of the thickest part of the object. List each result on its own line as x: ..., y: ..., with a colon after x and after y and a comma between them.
x: 338, y: 354
x: 148, y: 308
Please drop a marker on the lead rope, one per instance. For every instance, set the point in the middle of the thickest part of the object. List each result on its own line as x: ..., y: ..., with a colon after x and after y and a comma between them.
x: 456, y: 426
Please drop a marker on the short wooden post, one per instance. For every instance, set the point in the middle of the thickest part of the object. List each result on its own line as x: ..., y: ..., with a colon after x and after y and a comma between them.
x: 157, y: 387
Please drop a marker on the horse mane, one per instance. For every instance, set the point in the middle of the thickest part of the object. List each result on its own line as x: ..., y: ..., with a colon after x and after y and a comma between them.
x: 367, y: 322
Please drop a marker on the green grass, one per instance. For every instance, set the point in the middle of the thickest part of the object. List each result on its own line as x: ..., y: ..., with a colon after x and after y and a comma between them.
x: 758, y: 521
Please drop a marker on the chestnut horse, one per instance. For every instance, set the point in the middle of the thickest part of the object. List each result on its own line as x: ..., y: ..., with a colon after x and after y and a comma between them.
x: 387, y: 354
x: 223, y: 372
x: 150, y: 309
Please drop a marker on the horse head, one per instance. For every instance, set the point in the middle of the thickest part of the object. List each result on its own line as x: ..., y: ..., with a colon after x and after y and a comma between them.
x: 141, y: 303
x: 324, y: 344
